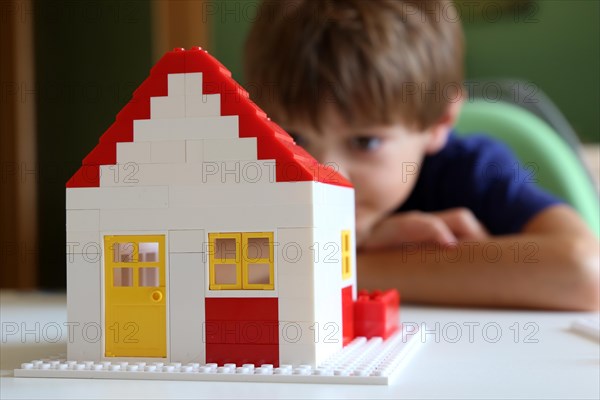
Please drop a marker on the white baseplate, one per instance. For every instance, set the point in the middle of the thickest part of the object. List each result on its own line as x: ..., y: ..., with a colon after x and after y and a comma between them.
x: 369, y: 362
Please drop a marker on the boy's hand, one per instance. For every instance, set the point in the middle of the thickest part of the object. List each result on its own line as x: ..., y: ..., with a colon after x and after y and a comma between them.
x: 444, y: 228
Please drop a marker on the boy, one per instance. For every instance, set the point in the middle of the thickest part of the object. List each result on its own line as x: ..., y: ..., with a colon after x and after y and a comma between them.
x: 374, y: 88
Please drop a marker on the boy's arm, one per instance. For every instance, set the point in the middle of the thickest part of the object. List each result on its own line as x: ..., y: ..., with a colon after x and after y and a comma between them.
x: 553, y: 263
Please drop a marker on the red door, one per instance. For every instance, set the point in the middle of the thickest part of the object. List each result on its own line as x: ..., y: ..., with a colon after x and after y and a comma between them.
x: 242, y: 330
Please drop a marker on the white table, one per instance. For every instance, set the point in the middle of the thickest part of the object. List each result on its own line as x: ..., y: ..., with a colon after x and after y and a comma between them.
x: 499, y: 354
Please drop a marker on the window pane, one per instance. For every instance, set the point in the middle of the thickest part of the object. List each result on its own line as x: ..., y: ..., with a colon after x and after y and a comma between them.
x: 123, y: 252
x: 122, y: 276
x: 225, y: 249
x: 346, y: 264
x: 225, y: 274
x: 149, y: 276
x: 259, y: 274
x: 258, y: 248
x: 148, y: 252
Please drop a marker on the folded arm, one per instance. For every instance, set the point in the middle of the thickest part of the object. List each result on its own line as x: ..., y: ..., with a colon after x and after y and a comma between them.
x: 552, y: 264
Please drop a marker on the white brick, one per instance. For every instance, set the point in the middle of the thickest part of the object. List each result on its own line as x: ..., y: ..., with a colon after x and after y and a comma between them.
x: 193, y: 84
x: 333, y: 195
x: 308, y: 342
x: 117, y: 197
x: 185, y: 128
x: 296, y: 308
x: 186, y: 241
x: 167, y: 107
x: 211, y: 219
x: 328, y: 265
x: 138, y: 152
x: 203, y: 105
x: 280, y: 193
x: 176, y: 84
x: 334, y: 216
x: 186, y: 307
x: 194, y: 151
x: 238, y: 172
x: 83, y: 220
x: 134, y: 220
x: 83, y: 241
x: 298, y: 355
x: 296, y: 285
x: 139, y: 175
x: 208, y: 172
x: 170, y: 151
x: 296, y: 252
x: 83, y: 307
x: 230, y: 149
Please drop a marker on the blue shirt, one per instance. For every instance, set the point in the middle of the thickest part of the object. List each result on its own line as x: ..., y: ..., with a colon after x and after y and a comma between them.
x: 483, y: 175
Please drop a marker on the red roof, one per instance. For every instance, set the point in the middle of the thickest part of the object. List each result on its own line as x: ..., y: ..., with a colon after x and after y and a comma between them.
x: 292, y: 162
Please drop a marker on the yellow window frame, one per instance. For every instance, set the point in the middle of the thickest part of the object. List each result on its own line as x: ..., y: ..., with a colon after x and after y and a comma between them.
x: 346, y: 260
x: 263, y: 260
x: 242, y: 261
x: 212, y: 238
x: 134, y: 264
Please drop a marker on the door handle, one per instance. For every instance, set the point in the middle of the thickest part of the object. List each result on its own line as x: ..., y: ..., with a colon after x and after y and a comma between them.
x: 157, y: 296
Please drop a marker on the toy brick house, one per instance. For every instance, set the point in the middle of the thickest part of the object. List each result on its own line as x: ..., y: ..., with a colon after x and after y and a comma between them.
x: 199, y: 232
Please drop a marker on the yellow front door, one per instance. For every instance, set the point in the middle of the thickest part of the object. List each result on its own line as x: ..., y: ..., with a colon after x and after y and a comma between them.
x: 135, y: 296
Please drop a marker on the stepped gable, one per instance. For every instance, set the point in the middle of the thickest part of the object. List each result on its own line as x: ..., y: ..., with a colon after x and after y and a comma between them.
x: 292, y: 162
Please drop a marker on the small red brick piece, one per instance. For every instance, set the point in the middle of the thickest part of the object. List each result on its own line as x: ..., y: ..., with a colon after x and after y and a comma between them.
x: 376, y: 313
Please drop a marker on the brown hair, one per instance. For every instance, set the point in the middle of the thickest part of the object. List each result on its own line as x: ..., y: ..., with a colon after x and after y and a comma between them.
x: 377, y: 61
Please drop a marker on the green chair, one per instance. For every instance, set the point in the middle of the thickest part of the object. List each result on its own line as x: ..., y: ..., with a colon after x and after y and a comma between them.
x: 539, y: 148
